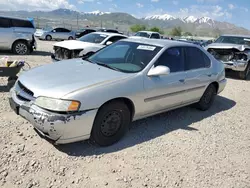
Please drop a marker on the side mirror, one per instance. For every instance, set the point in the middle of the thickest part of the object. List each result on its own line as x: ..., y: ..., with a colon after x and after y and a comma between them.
x: 159, y: 71
x: 109, y: 42
x: 53, y: 31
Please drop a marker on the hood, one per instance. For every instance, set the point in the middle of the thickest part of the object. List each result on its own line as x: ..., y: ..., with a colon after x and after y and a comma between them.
x: 228, y: 46
x: 76, y: 44
x: 61, y: 78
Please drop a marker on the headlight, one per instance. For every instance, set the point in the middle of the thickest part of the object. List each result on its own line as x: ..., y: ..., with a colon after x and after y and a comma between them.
x: 57, y: 104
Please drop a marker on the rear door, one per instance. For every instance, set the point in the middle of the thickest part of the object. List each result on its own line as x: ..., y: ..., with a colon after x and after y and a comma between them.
x: 198, y: 73
x: 6, y: 33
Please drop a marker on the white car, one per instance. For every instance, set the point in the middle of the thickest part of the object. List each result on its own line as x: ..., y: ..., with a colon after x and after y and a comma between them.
x: 86, y: 45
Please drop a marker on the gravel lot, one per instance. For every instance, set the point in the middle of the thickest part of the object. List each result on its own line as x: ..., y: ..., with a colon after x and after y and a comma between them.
x: 181, y: 148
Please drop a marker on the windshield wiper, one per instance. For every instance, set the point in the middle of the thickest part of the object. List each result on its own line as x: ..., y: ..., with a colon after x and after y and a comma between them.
x: 108, y: 66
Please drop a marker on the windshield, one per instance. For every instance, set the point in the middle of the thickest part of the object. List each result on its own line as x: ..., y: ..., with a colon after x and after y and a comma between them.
x: 142, y: 34
x: 233, y: 40
x: 125, y: 56
x: 93, y: 38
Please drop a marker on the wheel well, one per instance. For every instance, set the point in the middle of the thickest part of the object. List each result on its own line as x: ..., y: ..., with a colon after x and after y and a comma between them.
x: 126, y: 101
x: 216, y: 85
x: 19, y: 40
x: 48, y: 35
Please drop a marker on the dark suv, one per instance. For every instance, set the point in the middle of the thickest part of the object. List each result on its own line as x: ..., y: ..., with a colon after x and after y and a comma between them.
x: 17, y: 35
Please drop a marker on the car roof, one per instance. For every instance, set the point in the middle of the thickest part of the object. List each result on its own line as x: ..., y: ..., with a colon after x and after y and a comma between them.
x: 149, y: 32
x: 9, y: 17
x: 109, y: 34
x: 159, y: 42
x: 228, y: 35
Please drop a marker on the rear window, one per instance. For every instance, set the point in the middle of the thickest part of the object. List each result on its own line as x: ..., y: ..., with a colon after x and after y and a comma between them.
x: 22, y: 23
x: 4, y: 22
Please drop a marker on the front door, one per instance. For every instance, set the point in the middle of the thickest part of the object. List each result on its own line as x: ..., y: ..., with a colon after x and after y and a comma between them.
x: 167, y: 91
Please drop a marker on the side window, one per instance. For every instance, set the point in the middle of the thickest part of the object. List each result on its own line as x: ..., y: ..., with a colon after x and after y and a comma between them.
x: 207, y: 60
x: 4, y: 23
x: 22, y: 23
x: 64, y: 30
x: 173, y: 58
x: 155, y: 36
x: 195, y: 59
x: 58, y: 30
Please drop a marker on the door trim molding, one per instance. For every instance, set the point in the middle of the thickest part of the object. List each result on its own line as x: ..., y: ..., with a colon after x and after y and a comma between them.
x: 157, y: 97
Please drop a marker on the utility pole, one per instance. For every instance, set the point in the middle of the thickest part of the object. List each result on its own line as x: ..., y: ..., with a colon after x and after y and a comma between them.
x: 77, y: 21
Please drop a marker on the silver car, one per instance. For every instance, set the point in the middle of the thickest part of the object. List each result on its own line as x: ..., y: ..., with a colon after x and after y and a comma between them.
x: 234, y: 52
x: 17, y: 35
x: 99, y: 97
x: 58, y: 34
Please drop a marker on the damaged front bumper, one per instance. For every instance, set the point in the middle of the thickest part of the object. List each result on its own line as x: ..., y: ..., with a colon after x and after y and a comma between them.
x: 236, y: 65
x: 59, y: 128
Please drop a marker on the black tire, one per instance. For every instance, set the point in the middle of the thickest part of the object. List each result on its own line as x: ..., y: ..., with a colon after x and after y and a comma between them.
x: 70, y: 38
x: 21, y: 48
x: 244, y: 74
x: 48, y: 37
x: 207, y: 98
x: 111, y: 123
x: 11, y: 82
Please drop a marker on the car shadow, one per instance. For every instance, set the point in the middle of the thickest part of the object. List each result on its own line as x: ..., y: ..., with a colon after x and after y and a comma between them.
x: 4, y: 89
x: 234, y: 75
x: 151, y: 128
x: 34, y: 53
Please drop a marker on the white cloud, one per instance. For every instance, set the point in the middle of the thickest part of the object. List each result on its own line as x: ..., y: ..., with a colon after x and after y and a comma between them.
x: 154, y: 0
x: 139, y: 5
x: 175, y: 2
x: 35, y: 4
x: 231, y: 6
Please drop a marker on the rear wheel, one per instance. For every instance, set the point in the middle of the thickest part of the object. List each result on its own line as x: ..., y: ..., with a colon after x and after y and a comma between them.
x: 70, y: 38
x: 207, y: 99
x: 111, y: 123
x: 48, y: 37
x: 244, y: 74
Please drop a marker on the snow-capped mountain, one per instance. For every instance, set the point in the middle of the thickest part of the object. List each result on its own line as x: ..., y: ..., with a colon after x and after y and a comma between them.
x: 160, y: 17
x: 205, y: 20
x: 188, y: 19
x: 97, y: 12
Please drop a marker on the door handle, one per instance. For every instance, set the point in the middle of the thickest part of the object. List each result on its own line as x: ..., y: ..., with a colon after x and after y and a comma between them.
x: 182, y: 80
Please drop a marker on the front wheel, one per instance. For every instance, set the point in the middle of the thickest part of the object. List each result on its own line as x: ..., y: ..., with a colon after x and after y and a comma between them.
x: 111, y: 123
x: 48, y: 37
x: 21, y: 48
x: 244, y: 74
x: 70, y: 38
x: 207, y: 98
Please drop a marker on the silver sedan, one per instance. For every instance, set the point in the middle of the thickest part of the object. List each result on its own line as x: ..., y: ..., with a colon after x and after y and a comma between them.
x: 98, y: 97
x: 58, y: 34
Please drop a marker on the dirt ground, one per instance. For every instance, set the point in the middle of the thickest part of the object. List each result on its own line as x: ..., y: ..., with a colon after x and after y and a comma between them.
x: 181, y: 148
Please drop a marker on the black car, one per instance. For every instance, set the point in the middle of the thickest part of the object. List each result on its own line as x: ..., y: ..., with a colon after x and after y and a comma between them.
x: 82, y: 32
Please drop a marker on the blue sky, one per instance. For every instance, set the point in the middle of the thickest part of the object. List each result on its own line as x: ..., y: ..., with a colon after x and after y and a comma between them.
x: 237, y: 12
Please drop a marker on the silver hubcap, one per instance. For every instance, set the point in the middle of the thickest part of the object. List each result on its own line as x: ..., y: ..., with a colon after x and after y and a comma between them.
x: 21, y: 48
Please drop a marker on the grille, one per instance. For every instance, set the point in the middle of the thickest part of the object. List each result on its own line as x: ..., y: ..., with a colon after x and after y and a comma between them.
x: 22, y: 98
x: 25, y: 89
x: 62, y: 53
